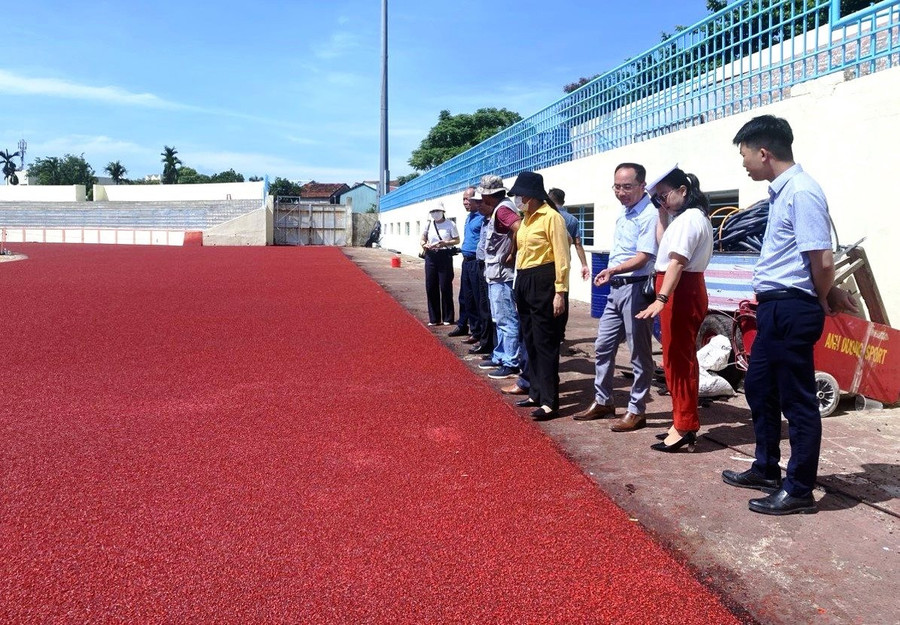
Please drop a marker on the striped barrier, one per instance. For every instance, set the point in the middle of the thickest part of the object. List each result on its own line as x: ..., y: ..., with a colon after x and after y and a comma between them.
x: 106, y: 236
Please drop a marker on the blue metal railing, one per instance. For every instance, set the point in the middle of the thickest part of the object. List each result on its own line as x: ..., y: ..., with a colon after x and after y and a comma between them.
x: 747, y: 55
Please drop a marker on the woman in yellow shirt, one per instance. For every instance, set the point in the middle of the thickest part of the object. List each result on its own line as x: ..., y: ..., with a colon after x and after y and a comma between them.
x: 542, y: 276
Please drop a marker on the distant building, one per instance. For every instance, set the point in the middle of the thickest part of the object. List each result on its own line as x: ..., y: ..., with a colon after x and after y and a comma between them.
x: 363, y: 197
x: 323, y: 192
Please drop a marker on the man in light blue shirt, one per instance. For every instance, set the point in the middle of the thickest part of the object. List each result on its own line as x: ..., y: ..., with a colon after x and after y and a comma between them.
x: 794, y: 285
x: 630, y: 263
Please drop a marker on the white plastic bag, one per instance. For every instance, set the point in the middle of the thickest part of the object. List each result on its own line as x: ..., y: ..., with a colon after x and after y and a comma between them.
x: 712, y: 385
x: 714, y: 355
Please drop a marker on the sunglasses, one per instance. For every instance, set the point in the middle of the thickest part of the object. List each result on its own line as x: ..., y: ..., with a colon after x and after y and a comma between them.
x: 658, y: 200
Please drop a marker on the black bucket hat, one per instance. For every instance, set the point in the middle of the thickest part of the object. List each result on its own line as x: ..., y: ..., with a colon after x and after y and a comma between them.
x: 529, y: 184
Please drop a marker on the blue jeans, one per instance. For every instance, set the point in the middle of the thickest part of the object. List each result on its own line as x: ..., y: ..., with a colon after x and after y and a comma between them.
x: 506, y: 320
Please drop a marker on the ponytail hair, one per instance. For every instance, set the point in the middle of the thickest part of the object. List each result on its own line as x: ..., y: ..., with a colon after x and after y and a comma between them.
x: 695, y: 198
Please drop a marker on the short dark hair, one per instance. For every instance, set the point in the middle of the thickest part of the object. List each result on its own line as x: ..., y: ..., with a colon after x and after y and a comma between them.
x: 769, y: 132
x: 639, y: 170
x: 557, y: 195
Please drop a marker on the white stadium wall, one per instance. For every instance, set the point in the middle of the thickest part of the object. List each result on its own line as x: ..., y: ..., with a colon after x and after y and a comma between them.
x: 845, y: 135
x: 43, y: 193
x: 179, y: 192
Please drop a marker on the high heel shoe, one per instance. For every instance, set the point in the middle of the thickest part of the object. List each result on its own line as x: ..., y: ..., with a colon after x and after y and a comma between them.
x: 689, y: 439
x: 662, y: 437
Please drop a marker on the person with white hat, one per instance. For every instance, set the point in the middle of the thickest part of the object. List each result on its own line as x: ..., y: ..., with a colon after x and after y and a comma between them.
x: 685, y: 248
x: 439, y: 235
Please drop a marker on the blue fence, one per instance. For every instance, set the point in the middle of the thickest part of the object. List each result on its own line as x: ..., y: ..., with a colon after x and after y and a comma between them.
x: 747, y: 55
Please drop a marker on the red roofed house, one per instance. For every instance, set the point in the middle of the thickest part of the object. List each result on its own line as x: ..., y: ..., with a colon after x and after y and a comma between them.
x: 323, y: 192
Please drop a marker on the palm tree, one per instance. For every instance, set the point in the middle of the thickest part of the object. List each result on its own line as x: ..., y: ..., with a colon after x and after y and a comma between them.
x: 116, y: 171
x: 170, y: 165
x: 9, y: 167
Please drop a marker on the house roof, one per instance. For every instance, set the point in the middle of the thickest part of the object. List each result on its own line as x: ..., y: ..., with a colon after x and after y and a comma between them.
x: 322, y: 190
x: 374, y: 187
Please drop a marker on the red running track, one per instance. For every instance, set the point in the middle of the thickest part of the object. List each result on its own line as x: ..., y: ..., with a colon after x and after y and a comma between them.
x: 235, y: 435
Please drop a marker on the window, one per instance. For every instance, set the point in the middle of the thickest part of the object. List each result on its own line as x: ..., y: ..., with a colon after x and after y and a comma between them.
x: 585, y: 215
x: 407, y: 228
x: 719, y: 204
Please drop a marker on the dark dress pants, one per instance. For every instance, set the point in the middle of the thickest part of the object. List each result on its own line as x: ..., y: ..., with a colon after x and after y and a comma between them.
x: 781, y: 379
x: 468, y: 297
x: 439, y: 286
x: 486, y: 336
x: 541, y: 331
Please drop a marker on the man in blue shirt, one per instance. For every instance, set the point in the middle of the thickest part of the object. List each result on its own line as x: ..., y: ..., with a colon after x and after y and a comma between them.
x: 469, y: 319
x: 794, y: 285
x: 630, y: 263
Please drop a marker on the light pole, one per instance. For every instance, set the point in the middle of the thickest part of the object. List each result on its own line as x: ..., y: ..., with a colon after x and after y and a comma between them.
x: 384, y: 175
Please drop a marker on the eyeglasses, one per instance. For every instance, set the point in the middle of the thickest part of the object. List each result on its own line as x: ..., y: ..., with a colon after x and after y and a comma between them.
x: 658, y: 200
x: 625, y: 187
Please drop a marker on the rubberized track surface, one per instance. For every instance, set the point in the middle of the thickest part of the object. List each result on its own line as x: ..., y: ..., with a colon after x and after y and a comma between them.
x: 264, y: 435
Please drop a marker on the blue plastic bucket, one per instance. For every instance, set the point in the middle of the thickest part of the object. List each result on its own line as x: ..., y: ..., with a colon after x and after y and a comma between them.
x: 599, y: 294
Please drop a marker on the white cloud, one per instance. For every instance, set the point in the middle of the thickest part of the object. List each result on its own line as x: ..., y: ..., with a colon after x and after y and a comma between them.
x: 338, y: 44
x: 11, y: 83
x: 251, y: 164
x: 89, y: 145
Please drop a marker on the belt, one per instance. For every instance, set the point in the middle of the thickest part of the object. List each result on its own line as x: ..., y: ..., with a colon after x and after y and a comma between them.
x: 617, y: 282
x: 777, y: 294
x: 468, y: 256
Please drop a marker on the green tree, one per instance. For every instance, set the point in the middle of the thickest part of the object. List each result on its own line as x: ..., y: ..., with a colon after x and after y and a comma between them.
x: 9, y: 167
x: 227, y: 176
x: 454, y: 134
x: 572, y: 86
x: 189, y: 175
x: 284, y: 187
x: 170, y: 165
x: 116, y: 171
x: 67, y: 170
x: 402, y: 180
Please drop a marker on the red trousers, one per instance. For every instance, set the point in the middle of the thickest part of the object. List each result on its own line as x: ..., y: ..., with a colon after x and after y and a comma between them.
x: 680, y: 321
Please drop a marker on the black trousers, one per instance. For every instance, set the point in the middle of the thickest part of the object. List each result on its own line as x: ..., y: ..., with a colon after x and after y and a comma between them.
x: 563, y: 319
x: 485, y: 336
x: 781, y: 379
x: 541, y: 331
x: 468, y: 296
x: 439, y: 286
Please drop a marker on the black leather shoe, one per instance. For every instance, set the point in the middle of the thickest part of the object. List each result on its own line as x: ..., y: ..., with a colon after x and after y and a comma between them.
x: 526, y: 403
x: 458, y: 331
x: 749, y: 479
x: 481, y: 349
x: 781, y: 503
x: 540, y: 414
x: 471, y: 340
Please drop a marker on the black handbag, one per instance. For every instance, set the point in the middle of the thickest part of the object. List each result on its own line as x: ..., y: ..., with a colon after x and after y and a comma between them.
x: 649, y: 288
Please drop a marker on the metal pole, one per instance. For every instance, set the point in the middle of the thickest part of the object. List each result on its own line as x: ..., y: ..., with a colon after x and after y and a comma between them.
x: 384, y: 176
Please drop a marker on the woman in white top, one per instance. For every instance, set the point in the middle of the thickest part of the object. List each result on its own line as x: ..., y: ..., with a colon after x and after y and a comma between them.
x: 439, y: 235
x: 685, y: 238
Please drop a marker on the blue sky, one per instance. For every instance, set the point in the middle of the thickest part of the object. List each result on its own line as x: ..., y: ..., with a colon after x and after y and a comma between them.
x: 293, y: 89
